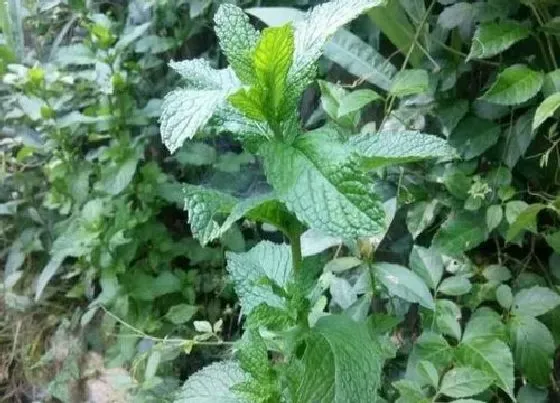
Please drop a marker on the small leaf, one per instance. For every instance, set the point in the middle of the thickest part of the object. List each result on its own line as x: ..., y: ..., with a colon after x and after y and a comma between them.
x: 519, y: 138
x: 514, y: 85
x: 202, y: 326
x: 531, y: 394
x: 455, y: 285
x: 342, y: 362
x: 484, y: 324
x: 404, y: 284
x: 535, y: 301
x: 410, y: 392
x: 522, y: 219
x: 447, y: 318
x: 533, y: 348
x: 459, y: 233
x: 355, y: 101
x: 496, y: 273
x: 473, y: 136
x: 456, y: 15
x: 341, y: 264
x: 409, y: 82
x: 553, y: 241
x: 504, y: 296
x: 546, y: 110
x: 429, y: 347
x: 492, y: 39
x: 181, y: 313
x: 464, y: 382
x: 428, y: 264
x: 212, y: 384
x: 421, y: 216
x: 428, y: 371
x: 152, y: 365
x: 494, y: 216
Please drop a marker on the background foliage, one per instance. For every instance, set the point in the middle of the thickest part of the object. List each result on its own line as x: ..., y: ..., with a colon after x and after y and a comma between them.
x: 110, y: 288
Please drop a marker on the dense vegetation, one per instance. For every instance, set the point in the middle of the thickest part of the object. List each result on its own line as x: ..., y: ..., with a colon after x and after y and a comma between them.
x: 208, y: 201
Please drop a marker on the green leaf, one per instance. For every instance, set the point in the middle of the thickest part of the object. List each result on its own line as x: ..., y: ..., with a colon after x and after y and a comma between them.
x: 514, y: 85
x: 355, y: 101
x: 342, y: 363
x: 494, y: 216
x: 519, y: 138
x: 390, y: 148
x: 329, y: 194
x: 185, y: 111
x: 428, y: 372
x: 204, y: 205
x: 446, y: 316
x: 551, y: 83
x: 504, y: 296
x: 238, y: 40
x: 421, y: 216
x: 181, y: 313
x: 534, y: 348
x: 409, y: 82
x: 531, y: 394
x: 473, y: 136
x: 116, y: 177
x: 429, y: 347
x: 492, y: 357
x: 455, y: 286
x: 496, y: 273
x: 212, y: 384
x: 428, y: 264
x: 553, y: 241
x: 404, y: 284
x: 360, y: 59
x: 247, y: 270
x: 464, y: 382
x: 484, y: 324
x: 461, y: 231
x: 521, y: 220
x: 546, y: 110
x: 450, y: 115
x: 492, y: 39
x: 456, y: 15
x: 535, y: 301
x: 410, y: 392
x: 152, y: 365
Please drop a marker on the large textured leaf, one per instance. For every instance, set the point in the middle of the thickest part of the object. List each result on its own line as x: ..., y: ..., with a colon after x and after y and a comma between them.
x: 546, y: 110
x: 266, y: 260
x: 185, y: 111
x: 360, y: 59
x: 342, y: 363
x: 533, y: 348
x: 238, y: 40
x: 390, y: 148
x: 311, y: 34
x: 514, y: 85
x: 460, y: 232
x: 329, y: 194
x: 492, y: 357
x: 491, y: 39
x: 404, y: 284
x: 212, y: 384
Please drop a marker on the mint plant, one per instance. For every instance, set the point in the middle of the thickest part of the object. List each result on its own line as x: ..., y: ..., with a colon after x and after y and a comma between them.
x: 320, y: 181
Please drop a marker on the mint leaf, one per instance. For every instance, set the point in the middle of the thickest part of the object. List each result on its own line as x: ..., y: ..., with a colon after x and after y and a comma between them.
x: 212, y: 384
x: 464, y: 382
x: 247, y: 270
x: 342, y: 363
x: 492, y: 357
x: 238, y: 40
x: 328, y: 194
x: 535, y: 301
x: 390, y: 148
x: 534, y: 348
x: 185, y: 111
x: 404, y: 284
x: 546, y: 110
x: 514, y: 85
x: 492, y: 39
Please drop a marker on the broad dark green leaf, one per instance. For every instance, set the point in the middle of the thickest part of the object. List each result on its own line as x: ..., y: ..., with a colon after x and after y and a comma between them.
x: 492, y: 39
x: 533, y: 348
x: 546, y: 110
x: 460, y: 232
x: 473, y: 136
x: 519, y: 137
x: 553, y: 241
x: 525, y: 219
x: 514, y: 85
x: 464, y: 382
x: 342, y: 363
x: 420, y: 216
